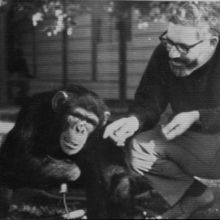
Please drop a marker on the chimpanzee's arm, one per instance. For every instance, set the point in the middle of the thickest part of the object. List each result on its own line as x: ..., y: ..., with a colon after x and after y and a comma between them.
x: 18, y: 157
x: 95, y: 192
x: 24, y: 150
x: 52, y: 169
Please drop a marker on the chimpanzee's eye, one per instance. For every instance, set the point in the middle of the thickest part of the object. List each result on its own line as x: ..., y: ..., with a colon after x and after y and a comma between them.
x: 92, y: 122
x: 87, y: 119
x: 78, y: 115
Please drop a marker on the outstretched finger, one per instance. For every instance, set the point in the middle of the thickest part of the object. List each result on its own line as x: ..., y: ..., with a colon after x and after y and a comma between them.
x: 177, y: 131
x: 123, y: 131
x: 169, y: 127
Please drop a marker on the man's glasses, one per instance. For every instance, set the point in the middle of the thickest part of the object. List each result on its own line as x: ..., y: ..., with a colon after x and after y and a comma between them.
x: 182, y: 48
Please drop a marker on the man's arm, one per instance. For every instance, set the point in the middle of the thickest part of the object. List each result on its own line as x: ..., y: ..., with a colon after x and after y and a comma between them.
x: 151, y: 95
x: 210, y: 119
x: 180, y: 124
x: 150, y: 101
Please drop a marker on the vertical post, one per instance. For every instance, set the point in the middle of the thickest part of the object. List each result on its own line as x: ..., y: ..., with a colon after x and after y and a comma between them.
x: 34, y: 57
x: 122, y: 63
x: 64, y: 50
x: 123, y: 20
x: 95, y: 37
x: 3, y: 55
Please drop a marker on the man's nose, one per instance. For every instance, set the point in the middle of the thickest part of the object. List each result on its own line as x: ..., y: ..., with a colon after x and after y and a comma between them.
x: 174, y: 53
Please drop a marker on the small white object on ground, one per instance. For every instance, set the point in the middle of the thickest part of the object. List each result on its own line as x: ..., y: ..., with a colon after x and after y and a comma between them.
x: 75, y: 214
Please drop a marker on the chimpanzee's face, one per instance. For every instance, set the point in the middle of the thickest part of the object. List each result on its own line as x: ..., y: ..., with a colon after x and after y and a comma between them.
x: 79, y: 125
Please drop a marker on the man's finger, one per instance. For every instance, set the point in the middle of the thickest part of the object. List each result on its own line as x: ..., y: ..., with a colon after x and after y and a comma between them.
x: 120, y: 144
x: 174, y: 133
x: 114, y: 137
x: 123, y: 137
x: 110, y: 129
x: 122, y: 130
x: 169, y: 127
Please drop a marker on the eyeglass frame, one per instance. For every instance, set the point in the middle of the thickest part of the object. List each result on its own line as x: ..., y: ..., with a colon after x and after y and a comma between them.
x: 178, y: 46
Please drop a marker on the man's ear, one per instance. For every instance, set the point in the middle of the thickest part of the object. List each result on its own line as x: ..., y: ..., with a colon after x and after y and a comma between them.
x: 58, y: 99
x: 107, y: 115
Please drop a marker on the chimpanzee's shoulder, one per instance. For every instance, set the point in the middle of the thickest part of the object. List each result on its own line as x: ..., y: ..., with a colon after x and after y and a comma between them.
x: 37, y: 108
x: 101, y: 149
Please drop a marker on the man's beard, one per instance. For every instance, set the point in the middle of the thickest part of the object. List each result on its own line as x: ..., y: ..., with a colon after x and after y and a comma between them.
x: 182, y: 67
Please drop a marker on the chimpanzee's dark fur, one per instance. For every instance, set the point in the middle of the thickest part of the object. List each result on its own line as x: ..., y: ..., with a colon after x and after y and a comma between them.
x: 31, y: 156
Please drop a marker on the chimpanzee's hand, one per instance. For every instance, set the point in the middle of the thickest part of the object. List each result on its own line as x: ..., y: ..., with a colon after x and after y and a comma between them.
x: 180, y: 124
x: 61, y: 169
x: 121, y: 129
x: 74, y: 173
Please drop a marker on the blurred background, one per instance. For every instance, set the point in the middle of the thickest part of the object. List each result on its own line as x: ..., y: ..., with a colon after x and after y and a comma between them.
x: 103, y: 45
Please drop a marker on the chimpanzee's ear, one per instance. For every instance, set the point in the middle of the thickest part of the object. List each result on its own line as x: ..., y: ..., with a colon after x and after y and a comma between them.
x: 58, y: 99
x: 107, y: 115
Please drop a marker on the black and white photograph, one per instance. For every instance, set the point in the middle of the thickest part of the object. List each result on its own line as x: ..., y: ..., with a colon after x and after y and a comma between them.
x: 109, y: 109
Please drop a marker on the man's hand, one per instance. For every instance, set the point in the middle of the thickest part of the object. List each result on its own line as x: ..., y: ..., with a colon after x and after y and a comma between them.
x: 121, y: 129
x: 180, y: 124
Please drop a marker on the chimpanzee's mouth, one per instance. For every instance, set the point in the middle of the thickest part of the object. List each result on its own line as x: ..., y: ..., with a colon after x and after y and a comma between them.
x: 69, y: 144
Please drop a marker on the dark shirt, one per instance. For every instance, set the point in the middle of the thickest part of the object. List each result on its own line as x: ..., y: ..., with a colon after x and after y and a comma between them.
x: 198, y: 91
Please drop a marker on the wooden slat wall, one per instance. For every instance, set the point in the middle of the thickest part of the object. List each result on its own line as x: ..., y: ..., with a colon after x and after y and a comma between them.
x: 140, y: 50
x: 3, y: 67
x: 49, y: 58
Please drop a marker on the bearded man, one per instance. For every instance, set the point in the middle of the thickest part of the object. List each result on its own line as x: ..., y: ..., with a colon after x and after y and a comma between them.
x: 184, y: 71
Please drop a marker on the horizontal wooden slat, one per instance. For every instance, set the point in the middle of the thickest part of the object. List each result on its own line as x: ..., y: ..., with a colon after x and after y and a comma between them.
x: 130, y: 93
x: 79, y: 44
x: 139, y: 55
x: 83, y: 20
x: 108, y: 46
x: 52, y: 69
x: 107, y: 90
x: 79, y: 32
x: 103, y: 89
x: 134, y: 81
x: 153, y: 27
x: 144, y: 41
x: 80, y: 72
x: 108, y: 71
x: 54, y: 59
x: 49, y: 47
x: 106, y: 56
x: 79, y: 57
x: 40, y: 86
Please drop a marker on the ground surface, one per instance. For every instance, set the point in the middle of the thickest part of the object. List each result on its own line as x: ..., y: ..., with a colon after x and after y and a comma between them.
x: 32, y: 205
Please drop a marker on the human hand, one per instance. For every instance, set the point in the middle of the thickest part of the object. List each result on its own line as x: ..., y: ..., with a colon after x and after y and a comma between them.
x: 121, y: 129
x: 180, y: 124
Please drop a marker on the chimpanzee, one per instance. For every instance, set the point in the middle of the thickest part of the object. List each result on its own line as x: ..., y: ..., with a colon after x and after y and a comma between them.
x: 57, y: 138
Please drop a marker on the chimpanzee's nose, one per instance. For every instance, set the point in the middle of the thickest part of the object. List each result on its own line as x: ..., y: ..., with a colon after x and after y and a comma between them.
x: 80, y: 128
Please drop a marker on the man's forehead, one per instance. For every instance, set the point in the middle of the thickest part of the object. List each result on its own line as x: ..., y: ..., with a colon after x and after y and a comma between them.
x: 184, y: 34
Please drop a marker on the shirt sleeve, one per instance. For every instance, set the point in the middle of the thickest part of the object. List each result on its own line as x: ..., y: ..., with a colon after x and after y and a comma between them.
x: 210, y: 120
x: 151, y: 95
